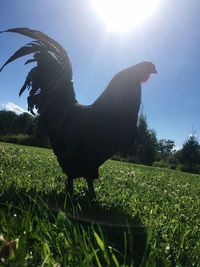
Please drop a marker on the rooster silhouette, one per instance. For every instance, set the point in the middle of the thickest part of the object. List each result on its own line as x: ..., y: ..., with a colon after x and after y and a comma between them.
x: 82, y: 137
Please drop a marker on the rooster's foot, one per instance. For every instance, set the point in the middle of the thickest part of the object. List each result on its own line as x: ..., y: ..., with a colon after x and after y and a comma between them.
x: 91, y: 192
x: 69, y: 187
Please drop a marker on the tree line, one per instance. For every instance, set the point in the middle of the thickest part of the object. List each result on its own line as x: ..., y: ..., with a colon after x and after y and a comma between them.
x: 22, y: 129
x: 148, y: 150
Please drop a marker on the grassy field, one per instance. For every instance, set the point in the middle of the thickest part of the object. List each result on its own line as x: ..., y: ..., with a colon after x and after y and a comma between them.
x: 40, y: 226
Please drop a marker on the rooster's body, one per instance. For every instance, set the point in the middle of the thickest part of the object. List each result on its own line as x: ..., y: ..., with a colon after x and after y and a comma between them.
x: 82, y: 137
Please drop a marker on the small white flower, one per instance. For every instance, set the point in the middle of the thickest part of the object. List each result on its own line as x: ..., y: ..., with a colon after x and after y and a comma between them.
x: 167, y: 248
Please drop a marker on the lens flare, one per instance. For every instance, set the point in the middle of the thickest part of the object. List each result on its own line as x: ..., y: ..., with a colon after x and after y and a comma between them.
x: 123, y: 15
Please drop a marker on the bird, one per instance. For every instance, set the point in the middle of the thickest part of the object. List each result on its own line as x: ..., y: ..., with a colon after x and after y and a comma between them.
x: 82, y: 137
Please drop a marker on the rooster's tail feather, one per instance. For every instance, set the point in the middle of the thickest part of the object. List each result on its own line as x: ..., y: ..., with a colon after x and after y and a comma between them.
x: 53, y: 68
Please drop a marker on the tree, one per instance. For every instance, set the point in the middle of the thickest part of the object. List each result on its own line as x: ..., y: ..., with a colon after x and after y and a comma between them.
x: 190, y: 155
x: 144, y: 149
x: 11, y: 123
x: 7, y: 122
x: 22, y: 129
x: 39, y: 136
x: 165, y: 148
x: 25, y: 124
x: 146, y: 142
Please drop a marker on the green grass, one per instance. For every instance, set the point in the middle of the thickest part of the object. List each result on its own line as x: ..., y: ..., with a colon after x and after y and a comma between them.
x: 160, y: 206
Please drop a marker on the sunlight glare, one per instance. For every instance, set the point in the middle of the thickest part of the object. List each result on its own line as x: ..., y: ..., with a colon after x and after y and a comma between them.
x: 123, y: 15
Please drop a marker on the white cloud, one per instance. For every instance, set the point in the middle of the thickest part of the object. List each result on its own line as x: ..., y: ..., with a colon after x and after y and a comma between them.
x: 13, y: 107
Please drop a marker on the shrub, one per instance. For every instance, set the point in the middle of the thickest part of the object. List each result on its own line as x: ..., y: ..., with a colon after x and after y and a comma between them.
x: 14, y: 138
x: 24, y: 139
x: 161, y: 164
x: 192, y: 168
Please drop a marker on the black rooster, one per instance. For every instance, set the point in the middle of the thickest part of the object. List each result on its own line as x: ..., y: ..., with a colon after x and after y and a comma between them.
x: 82, y: 137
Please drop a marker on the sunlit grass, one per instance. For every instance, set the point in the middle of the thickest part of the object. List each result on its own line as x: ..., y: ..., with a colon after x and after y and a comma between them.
x: 164, y: 204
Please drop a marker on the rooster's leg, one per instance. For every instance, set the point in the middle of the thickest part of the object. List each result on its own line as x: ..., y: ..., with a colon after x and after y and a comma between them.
x: 69, y: 186
x: 91, y: 188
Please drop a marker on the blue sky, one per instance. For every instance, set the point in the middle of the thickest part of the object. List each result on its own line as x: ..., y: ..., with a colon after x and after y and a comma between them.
x: 170, y: 39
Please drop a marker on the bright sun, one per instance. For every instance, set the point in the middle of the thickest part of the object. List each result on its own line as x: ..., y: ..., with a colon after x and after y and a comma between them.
x: 123, y: 15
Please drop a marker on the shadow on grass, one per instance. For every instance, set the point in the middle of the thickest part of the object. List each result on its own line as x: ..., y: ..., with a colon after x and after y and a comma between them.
x: 125, y: 234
